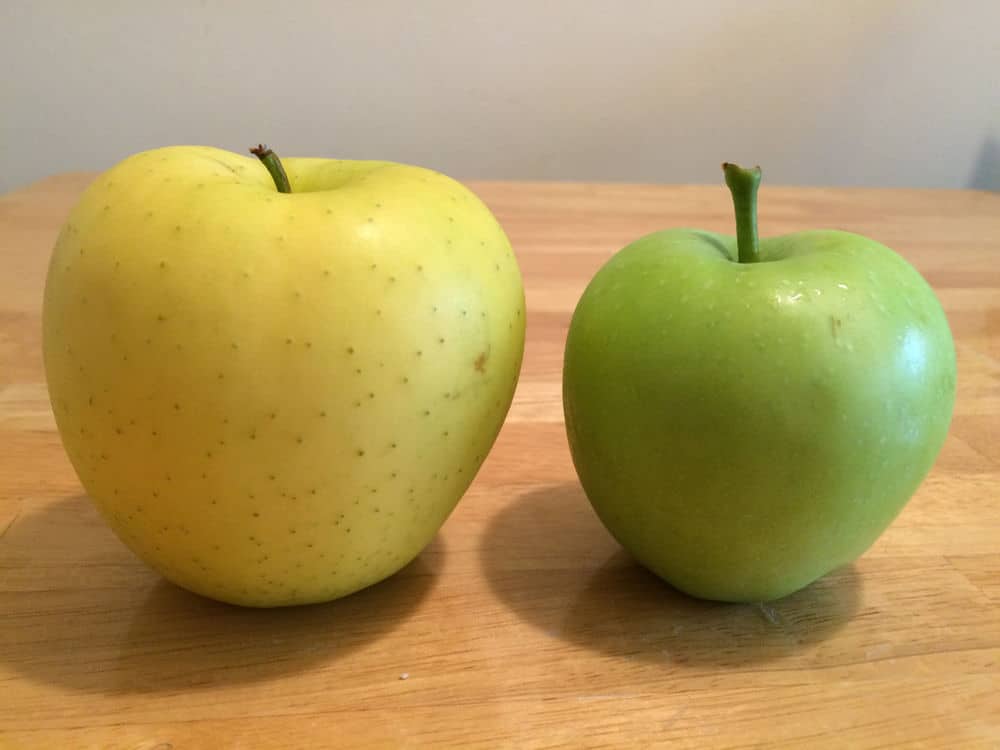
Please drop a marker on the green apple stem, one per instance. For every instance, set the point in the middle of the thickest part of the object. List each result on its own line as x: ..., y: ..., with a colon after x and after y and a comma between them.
x: 743, y: 184
x: 273, y: 165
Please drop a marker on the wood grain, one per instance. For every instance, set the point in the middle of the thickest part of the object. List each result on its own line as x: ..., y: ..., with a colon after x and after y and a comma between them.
x: 522, y: 625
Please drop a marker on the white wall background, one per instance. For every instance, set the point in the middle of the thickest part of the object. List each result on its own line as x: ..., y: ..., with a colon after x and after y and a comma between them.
x: 844, y: 92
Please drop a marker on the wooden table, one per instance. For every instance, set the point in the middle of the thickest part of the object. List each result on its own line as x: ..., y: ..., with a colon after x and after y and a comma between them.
x: 523, y: 624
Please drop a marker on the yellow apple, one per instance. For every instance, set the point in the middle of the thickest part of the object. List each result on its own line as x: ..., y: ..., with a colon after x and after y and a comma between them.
x: 275, y: 398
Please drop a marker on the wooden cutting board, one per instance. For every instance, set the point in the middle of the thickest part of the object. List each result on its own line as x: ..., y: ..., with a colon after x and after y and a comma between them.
x: 523, y: 624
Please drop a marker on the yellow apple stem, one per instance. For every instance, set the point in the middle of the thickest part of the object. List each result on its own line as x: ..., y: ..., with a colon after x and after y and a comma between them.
x: 743, y: 184
x: 273, y: 165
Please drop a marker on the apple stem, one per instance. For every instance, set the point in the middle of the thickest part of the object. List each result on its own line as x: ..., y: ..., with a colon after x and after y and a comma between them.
x: 743, y: 184
x: 273, y: 165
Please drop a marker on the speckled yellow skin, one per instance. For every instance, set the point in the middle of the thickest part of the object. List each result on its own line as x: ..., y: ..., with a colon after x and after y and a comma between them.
x: 278, y: 399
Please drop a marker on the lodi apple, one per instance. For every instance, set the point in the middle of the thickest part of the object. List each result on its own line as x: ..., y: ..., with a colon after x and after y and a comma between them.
x: 747, y: 415
x: 278, y: 397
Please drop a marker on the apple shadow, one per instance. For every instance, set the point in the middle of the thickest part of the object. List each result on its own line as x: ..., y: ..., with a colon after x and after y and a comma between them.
x: 128, y: 631
x: 588, y: 591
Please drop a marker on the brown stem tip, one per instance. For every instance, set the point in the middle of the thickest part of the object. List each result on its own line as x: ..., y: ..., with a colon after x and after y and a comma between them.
x: 273, y: 165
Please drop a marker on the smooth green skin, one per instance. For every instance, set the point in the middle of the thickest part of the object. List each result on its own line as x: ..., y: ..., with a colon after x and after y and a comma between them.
x: 278, y: 399
x: 742, y: 429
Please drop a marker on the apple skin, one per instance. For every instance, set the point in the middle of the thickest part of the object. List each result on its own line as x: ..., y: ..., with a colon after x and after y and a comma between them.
x: 744, y: 428
x: 278, y: 399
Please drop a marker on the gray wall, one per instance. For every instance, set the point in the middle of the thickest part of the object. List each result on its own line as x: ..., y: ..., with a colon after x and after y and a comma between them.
x: 841, y: 92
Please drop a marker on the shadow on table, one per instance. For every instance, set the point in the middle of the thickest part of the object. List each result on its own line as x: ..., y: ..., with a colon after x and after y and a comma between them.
x: 584, y: 589
x: 104, y: 623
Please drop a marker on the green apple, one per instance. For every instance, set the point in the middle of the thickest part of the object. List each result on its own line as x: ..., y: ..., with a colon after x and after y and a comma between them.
x: 277, y: 398
x: 747, y: 415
